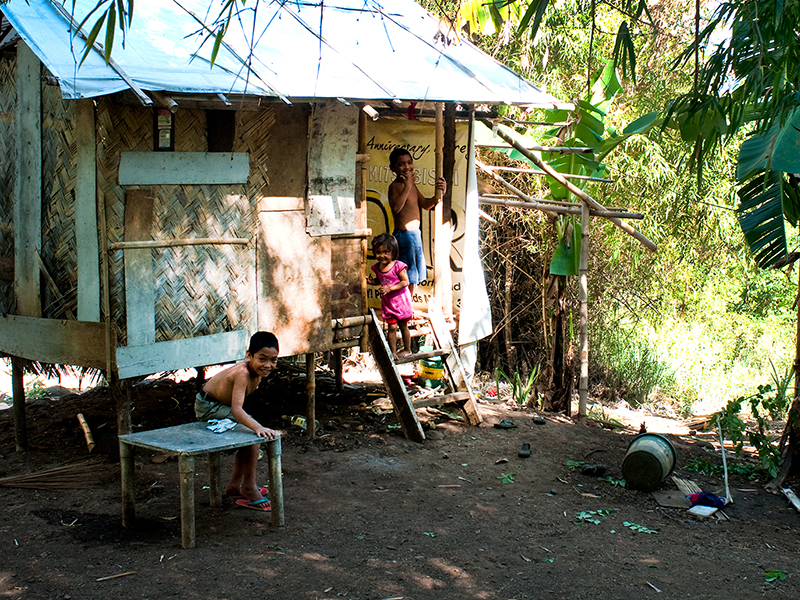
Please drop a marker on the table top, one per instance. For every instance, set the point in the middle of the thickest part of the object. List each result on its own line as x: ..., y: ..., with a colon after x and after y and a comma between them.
x: 192, y: 438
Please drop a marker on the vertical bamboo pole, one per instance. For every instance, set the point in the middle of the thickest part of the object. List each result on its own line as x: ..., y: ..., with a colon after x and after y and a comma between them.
x: 127, y: 477
x: 275, y: 482
x: 311, y: 390
x: 361, y: 181
x: 186, y: 469
x: 440, y: 253
x: 511, y: 351
x: 18, y: 393
x: 583, y: 296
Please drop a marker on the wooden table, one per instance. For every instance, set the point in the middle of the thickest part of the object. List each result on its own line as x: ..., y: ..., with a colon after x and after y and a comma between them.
x: 188, y: 441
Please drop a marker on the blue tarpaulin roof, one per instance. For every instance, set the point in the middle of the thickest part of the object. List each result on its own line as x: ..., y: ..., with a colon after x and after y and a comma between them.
x: 351, y: 49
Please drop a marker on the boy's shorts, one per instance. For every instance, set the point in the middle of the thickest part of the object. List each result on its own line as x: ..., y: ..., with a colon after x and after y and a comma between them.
x: 206, y: 407
x: 412, y: 253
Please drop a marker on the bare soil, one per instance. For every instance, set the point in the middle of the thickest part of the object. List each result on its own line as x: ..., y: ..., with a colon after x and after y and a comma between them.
x: 370, y: 515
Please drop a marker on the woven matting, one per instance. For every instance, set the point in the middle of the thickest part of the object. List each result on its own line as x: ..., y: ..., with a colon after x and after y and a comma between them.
x: 199, y: 289
x: 8, y: 160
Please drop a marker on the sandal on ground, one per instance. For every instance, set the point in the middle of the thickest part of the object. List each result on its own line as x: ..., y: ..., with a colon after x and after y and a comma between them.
x: 264, y: 492
x: 525, y: 451
x: 504, y: 424
x: 262, y: 505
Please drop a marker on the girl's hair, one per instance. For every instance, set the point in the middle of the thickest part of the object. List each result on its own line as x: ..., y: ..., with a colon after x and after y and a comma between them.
x: 387, y: 240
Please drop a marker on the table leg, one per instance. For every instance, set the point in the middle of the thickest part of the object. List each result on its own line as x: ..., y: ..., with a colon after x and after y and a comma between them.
x: 127, y: 477
x: 186, y: 469
x: 275, y: 481
x: 215, y: 480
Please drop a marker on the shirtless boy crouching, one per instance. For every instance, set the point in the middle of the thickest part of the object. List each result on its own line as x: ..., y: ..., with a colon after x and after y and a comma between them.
x: 223, y: 397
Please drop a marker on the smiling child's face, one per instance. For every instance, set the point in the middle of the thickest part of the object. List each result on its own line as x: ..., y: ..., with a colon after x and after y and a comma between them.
x: 263, y: 362
x: 383, y: 255
x: 404, y: 166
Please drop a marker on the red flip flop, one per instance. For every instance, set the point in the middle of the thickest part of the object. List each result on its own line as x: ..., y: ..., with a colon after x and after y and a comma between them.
x: 262, y: 505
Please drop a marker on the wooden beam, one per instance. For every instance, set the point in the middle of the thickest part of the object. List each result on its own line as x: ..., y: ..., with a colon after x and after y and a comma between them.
x: 561, y: 208
x: 65, y: 342
x: 571, y: 187
x: 140, y: 283
x: 133, y: 361
x: 539, y: 172
x: 28, y: 184
x: 551, y: 149
x: 86, y: 239
x: 183, y: 168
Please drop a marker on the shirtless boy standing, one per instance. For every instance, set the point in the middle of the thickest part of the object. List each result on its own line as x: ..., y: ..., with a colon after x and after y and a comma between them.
x: 407, y: 203
x: 223, y: 396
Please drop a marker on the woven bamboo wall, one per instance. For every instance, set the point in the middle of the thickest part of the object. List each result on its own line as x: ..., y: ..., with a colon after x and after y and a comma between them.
x: 199, y: 289
x: 8, y: 159
x: 59, y: 250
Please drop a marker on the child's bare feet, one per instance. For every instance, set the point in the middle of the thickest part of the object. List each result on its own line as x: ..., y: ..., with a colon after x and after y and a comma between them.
x: 237, y: 493
x: 403, y: 353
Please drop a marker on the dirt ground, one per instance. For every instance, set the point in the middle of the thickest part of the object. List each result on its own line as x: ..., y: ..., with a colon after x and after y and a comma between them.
x: 372, y: 516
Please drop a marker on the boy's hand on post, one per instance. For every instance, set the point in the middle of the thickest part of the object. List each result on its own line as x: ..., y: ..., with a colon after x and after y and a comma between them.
x: 441, y: 184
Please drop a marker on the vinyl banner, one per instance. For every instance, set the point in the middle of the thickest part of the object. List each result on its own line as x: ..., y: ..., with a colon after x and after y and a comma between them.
x: 418, y: 137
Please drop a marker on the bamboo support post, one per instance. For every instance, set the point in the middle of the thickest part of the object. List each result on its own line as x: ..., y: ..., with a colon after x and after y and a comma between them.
x: 571, y: 187
x: 276, y: 482
x: 214, y: 480
x: 361, y: 197
x: 338, y: 370
x: 311, y: 390
x: 439, y: 263
x: 186, y: 470
x: 127, y: 478
x: 87, y: 433
x: 346, y: 322
x: 18, y: 394
x: 104, y: 271
x: 538, y: 172
x: 551, y: 149
x: 583, y: 296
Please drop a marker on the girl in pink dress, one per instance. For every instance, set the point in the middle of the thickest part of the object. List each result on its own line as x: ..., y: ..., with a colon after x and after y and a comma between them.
x: 391, y: 276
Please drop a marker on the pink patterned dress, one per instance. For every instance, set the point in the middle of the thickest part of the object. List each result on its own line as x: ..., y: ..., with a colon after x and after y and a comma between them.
x: 396, y: 305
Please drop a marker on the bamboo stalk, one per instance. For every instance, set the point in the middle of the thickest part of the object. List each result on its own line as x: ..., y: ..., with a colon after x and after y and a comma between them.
x: 553, y: 149
x: 87, y: 433
x: 548, y: 210
x: 438, y: 221
x: 538, y: 172
x: 572, y: 188
x: 583, y: 296
x: 177, y: 242
x: 537, y: 204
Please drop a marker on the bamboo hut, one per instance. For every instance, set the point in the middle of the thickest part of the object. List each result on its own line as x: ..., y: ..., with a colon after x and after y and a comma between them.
x: 156, y: 210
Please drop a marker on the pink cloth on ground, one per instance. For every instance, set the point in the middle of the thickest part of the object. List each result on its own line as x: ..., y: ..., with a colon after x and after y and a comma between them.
x: 396, y: 304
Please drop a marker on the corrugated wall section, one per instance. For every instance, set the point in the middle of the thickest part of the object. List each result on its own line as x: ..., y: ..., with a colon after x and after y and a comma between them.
x: 8, y: 176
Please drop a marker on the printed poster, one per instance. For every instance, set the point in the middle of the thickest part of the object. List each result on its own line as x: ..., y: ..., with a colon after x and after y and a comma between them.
x: 418, y: 137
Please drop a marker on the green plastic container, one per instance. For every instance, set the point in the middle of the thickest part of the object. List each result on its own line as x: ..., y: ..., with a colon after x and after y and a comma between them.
x: 650, y: 459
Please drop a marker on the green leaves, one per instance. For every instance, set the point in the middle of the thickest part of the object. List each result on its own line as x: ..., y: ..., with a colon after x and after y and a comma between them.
x: 773, y: 575
x: 111, y: 13
x: 760, y: 215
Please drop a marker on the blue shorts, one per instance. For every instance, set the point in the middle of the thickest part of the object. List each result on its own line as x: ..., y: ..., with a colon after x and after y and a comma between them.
x: 412, y: 253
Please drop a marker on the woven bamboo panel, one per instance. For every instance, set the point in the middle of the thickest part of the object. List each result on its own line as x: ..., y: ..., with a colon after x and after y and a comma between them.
x: 59, y: 250
x: 119, y: 129
x: 8, y: 159
x: 199, y: 289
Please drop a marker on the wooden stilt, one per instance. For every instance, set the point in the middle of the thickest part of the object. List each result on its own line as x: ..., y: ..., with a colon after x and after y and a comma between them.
x: 311, y: 391
x: 583, y: 296
x: 127, y: 476
x: 186, y: 469
x: 18, y: 392
x: 276, y: 482
x: 122, y: 393
x: 214, y: 480
x: 338, y: 369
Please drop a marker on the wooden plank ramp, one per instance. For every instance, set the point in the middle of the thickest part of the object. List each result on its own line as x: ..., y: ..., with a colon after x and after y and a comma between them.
x: 404, y: 406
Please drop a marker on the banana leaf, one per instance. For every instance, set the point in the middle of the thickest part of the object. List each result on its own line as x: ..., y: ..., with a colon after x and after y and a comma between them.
x: 567, y: 255
x: 761, y: 217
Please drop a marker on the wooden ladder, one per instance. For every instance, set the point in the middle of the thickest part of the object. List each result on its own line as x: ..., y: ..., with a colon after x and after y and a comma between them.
x: 404, y: 407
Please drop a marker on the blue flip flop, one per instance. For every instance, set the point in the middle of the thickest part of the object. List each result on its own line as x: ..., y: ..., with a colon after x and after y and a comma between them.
x: 262, y: 505
x: 264, y: 492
